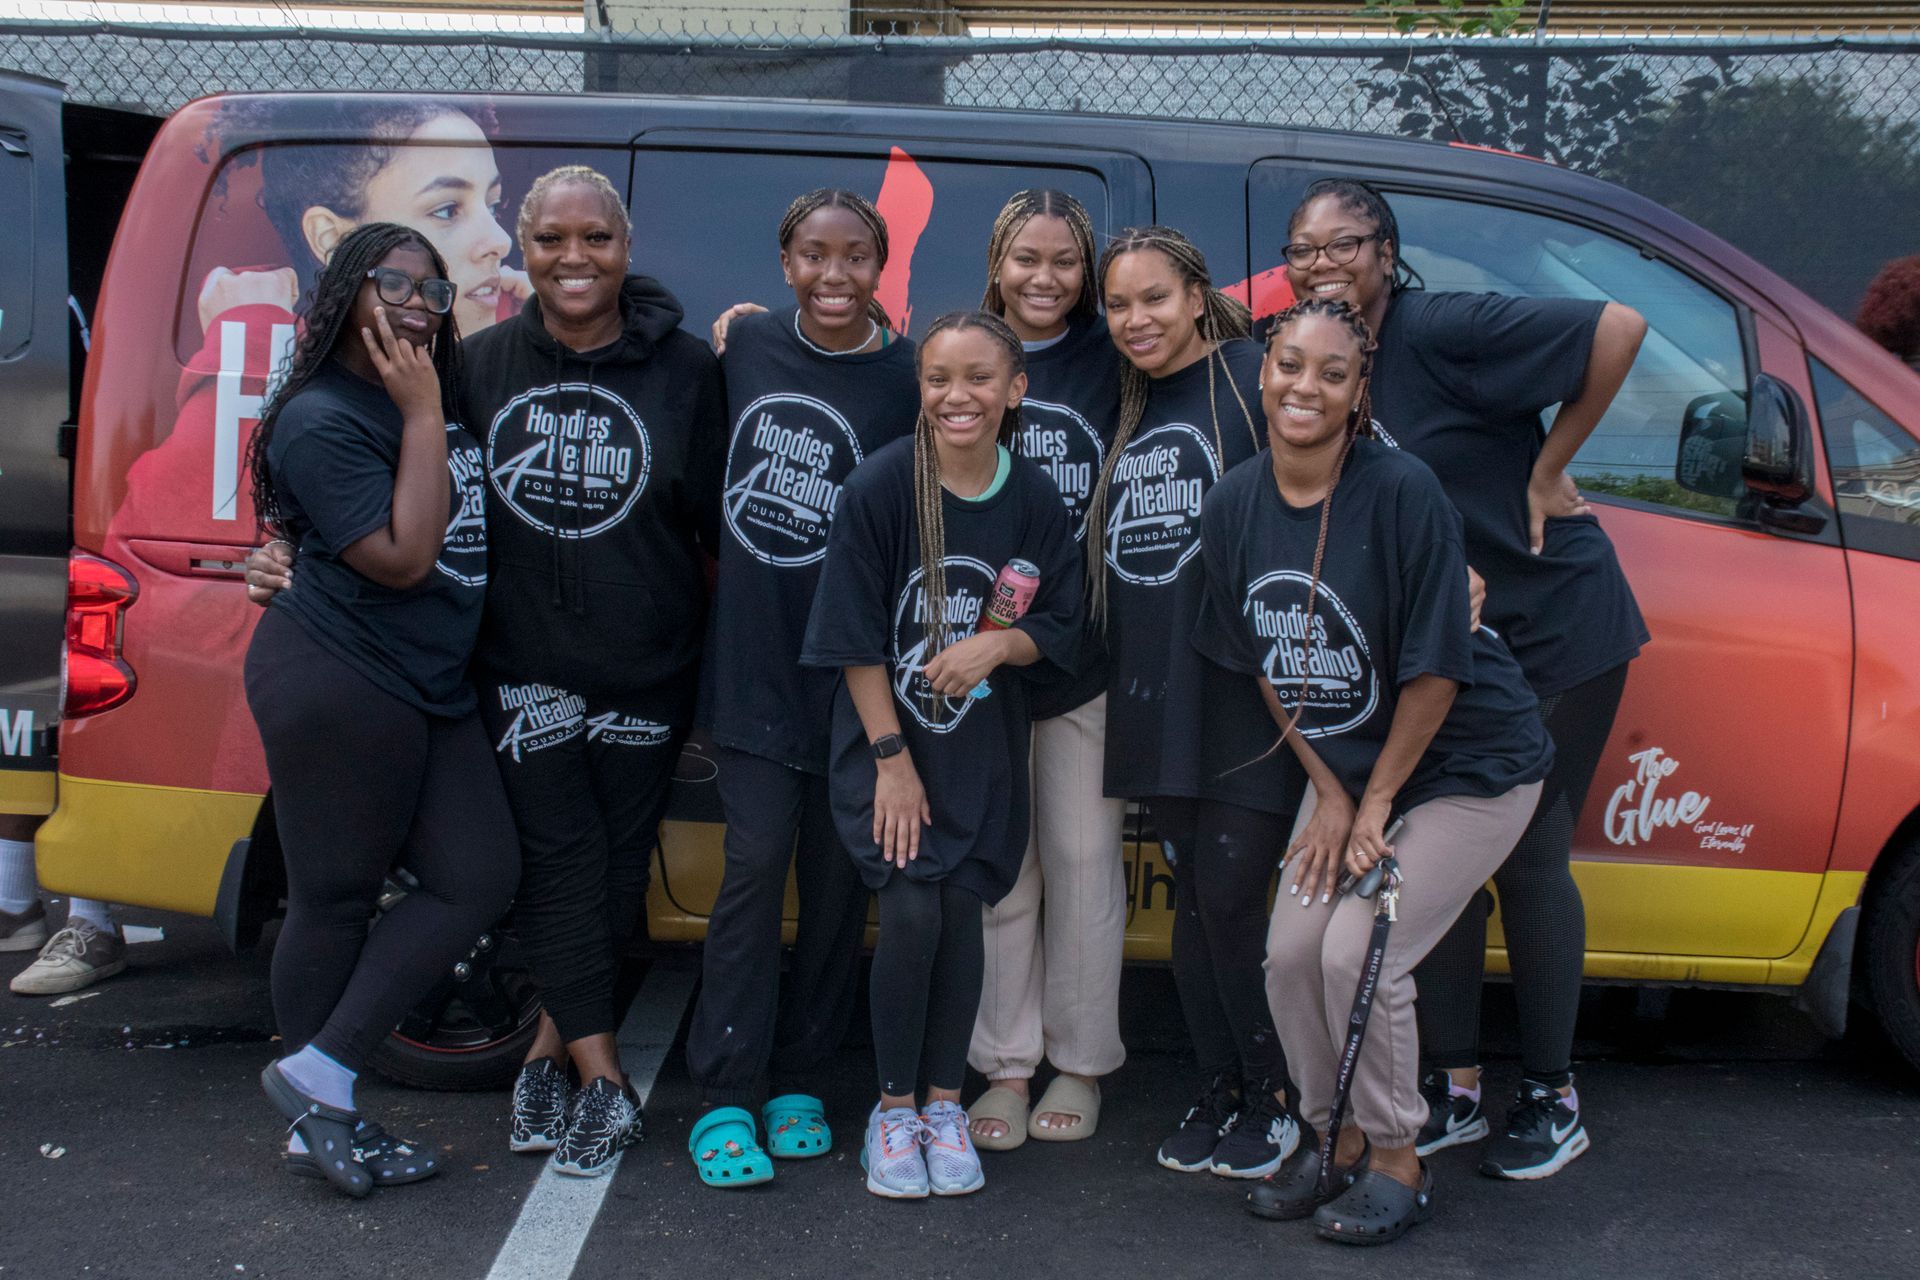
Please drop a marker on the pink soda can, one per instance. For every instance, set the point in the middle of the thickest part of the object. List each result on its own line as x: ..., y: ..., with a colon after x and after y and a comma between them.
x: 1012, y: 592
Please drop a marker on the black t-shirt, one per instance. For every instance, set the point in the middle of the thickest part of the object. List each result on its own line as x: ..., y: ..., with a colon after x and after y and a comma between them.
x: 970, y: 753
x: 1066, y: 424
x: 1460, y: 382
x: 1155, y: 680
x: 801, y: 422
x: 1392, y: 607
x: 333, y: 458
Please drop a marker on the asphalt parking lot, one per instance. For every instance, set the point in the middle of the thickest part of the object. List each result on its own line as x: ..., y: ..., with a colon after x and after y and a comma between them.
x: 1729, y: 1140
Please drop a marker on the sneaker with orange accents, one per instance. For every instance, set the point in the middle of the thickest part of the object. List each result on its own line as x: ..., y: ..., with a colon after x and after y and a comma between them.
x: 953, y: 1163
x: 895, y: 1168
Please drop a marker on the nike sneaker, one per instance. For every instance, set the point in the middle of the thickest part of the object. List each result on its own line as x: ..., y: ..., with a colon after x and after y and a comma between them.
x: 1453, y: 1114
x: 1544, y: 1135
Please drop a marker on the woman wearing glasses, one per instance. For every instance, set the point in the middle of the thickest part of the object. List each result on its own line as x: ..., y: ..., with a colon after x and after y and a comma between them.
x: 357, y: 680
x: 1462, y: 380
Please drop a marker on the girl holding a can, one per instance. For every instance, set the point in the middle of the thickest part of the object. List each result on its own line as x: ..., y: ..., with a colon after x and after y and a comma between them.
x: 931, y: 719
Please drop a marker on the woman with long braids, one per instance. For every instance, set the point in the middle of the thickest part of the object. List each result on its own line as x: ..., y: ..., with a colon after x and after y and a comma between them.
x: 813, y: 389
x: 931, y: 723
x: 357, y: 680
x: 1053, y: 945
x: 1188, y: 389
x: 1461, y: 380
x: 1335, y: 577
x: 604, y: 428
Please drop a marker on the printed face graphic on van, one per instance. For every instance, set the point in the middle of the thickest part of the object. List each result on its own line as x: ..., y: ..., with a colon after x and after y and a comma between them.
x: 1067, y: 448
x: 1327, y: 650
x: 969, y: 582
x: 569, y: 459
x: 1153, y: 503
x: 790, y: 455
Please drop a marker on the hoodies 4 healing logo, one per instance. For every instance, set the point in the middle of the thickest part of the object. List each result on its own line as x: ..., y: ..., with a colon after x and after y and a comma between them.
x: 1325, y: 649
x: 569, y: 459
x: 1153, y: 503
x: 969, y: 582
x: 1068, y: 449
x: 790, y: 456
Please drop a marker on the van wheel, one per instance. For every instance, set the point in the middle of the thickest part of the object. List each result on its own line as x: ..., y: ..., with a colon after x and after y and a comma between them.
x: 1891, y: 950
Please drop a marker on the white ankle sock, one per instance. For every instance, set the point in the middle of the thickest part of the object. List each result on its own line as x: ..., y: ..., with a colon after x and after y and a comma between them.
x: 98, y: 914
x: 18, y: 888
x: 319, y: 1076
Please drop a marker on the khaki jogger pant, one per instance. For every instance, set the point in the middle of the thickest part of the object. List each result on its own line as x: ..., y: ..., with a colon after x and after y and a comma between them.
x: 1315, y: 955
x: 1053, y: 944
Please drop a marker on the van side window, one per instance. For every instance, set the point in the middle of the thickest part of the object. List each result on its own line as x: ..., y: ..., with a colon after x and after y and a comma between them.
x: 1690, y: 363
x: 16, y: 265
x: 1876, y: 469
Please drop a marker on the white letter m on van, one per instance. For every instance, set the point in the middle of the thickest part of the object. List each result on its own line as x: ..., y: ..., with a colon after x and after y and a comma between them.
x: 16, y: 732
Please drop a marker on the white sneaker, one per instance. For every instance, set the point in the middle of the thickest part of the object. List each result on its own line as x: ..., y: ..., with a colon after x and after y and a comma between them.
x: 77, y: 956
x: 23, y: 930
x: 953, y: 1165
x: 891, y: 1155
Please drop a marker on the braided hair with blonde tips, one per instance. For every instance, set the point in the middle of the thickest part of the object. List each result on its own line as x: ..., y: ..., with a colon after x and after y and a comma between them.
x: 862, y: 208
x: 1222, y: 318
x: 1359, y: 424
x: 326, y: 310
x: 569, y: 175
x: 1024, y: 207
x: 929, y: 510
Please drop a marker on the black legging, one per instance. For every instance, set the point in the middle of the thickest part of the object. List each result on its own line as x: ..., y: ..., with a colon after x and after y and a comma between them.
x: 363, y: 782
x: 1540, y: 910
x: 588, y: 784
x: 925, y: 990
x: 1224, y: 857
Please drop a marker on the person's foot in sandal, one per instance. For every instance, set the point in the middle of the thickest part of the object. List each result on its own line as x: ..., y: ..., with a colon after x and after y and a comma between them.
x: 1068, y: 1111
x: 392, y: 1161
x: 796, y: 1127
x: 999, y: 1116
x: 1378, y: 1208
x: 1293, y: 1190
x: 725, y: 1152
x: 325, y: 1130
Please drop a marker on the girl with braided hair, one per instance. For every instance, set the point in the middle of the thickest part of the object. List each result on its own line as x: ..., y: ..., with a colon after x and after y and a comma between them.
x: 1177, y: 724
x: 1335, y: 577
x: 1463, y: 381
x: 931, y: 721
x: 812, y: 389
x: 356, y: 678
x: 1053, y: 945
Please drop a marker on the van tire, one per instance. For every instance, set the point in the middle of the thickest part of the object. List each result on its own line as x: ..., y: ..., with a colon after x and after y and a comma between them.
x: 1890, y: 945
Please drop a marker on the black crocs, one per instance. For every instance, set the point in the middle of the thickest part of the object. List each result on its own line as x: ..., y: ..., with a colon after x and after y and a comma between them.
x: 392, y: 1161
x: 327, y: 1131
x: 1293, y: 1190
x: 1376, y: 1209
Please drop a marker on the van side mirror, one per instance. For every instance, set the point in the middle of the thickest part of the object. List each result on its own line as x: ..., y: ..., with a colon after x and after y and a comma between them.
x: 1713, y: 446
x: 1776, y: 465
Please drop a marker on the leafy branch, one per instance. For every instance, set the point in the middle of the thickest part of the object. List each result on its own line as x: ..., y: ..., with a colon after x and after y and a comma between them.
x: 1450, y: 17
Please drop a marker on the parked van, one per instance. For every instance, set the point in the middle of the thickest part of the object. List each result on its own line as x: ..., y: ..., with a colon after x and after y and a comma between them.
x: 1756, y: 818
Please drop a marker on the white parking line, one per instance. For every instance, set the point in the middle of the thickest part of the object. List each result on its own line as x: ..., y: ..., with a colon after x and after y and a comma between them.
x: 552, y: 1228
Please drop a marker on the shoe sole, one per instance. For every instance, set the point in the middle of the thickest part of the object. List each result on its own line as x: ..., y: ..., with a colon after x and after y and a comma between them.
x: 1205, y: 1164
x: 1458, y: 1138
x: 67, y: 982
x: 1256, y: 1172
x: 978, y: 1182
x: 27, y: 941
x: 1570, y: 1150
x: 889, y: 1193
x: 533, y: 1144
x: 1420, y: 1215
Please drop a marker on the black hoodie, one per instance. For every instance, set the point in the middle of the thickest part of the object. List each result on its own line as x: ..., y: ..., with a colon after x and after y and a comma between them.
x: 597, y: 584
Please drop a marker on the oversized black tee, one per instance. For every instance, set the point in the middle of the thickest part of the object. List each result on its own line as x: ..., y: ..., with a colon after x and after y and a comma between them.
x: 1392, y: 606
x: 801, y: 422
x: 1460, y: 382
x: 1066, y: 426
x: 333, y: 457
x: 1193, y: 430
x: 970, y: 753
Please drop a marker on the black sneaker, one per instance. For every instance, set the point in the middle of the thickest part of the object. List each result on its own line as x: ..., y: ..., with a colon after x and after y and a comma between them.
x: 604, y: 1122
x: 1452, y: 1118
x: 1190, y: 1147
x: 1544, y: 1135
x: 540, y: 1096
x: 1266, y: 1135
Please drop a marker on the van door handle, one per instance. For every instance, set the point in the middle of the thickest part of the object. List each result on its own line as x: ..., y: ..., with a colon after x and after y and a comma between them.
x: 193, y: 559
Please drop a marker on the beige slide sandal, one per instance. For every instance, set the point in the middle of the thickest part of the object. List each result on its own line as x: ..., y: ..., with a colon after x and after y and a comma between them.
x: 1009, y: 1108
x: 1066, y: 1096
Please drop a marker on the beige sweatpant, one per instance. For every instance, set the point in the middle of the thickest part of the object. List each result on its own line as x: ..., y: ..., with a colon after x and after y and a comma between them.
x: 1053, y: 944
x: 1446, y: 851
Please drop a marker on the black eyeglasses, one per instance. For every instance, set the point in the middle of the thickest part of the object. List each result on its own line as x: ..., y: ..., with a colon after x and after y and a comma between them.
x: 1340, y: 251
x: 396, y: 286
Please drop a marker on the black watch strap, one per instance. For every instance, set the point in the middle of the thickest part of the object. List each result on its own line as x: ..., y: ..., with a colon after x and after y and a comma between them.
x: 887, y: 745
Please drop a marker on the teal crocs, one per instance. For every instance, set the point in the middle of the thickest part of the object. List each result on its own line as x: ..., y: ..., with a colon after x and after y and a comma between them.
x: 724, y: 1150
x: 796, y: 1127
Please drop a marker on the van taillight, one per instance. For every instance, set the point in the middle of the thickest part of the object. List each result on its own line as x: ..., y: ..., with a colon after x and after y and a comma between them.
x: 94, y: 675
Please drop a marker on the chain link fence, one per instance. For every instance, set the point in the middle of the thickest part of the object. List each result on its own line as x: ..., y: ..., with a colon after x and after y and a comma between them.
x: 1804, y: 151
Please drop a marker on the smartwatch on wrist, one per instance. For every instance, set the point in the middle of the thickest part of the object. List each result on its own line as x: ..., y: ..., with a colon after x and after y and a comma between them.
x: 887, y: 745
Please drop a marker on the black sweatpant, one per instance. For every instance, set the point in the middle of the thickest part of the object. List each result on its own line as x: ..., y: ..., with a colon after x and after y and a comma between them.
x: 750, y: 1022
x: 363, y: 782
x: 1541, y: 913
x: 588, y: 787
x: 1224, y: 857
x: 925, y: 988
